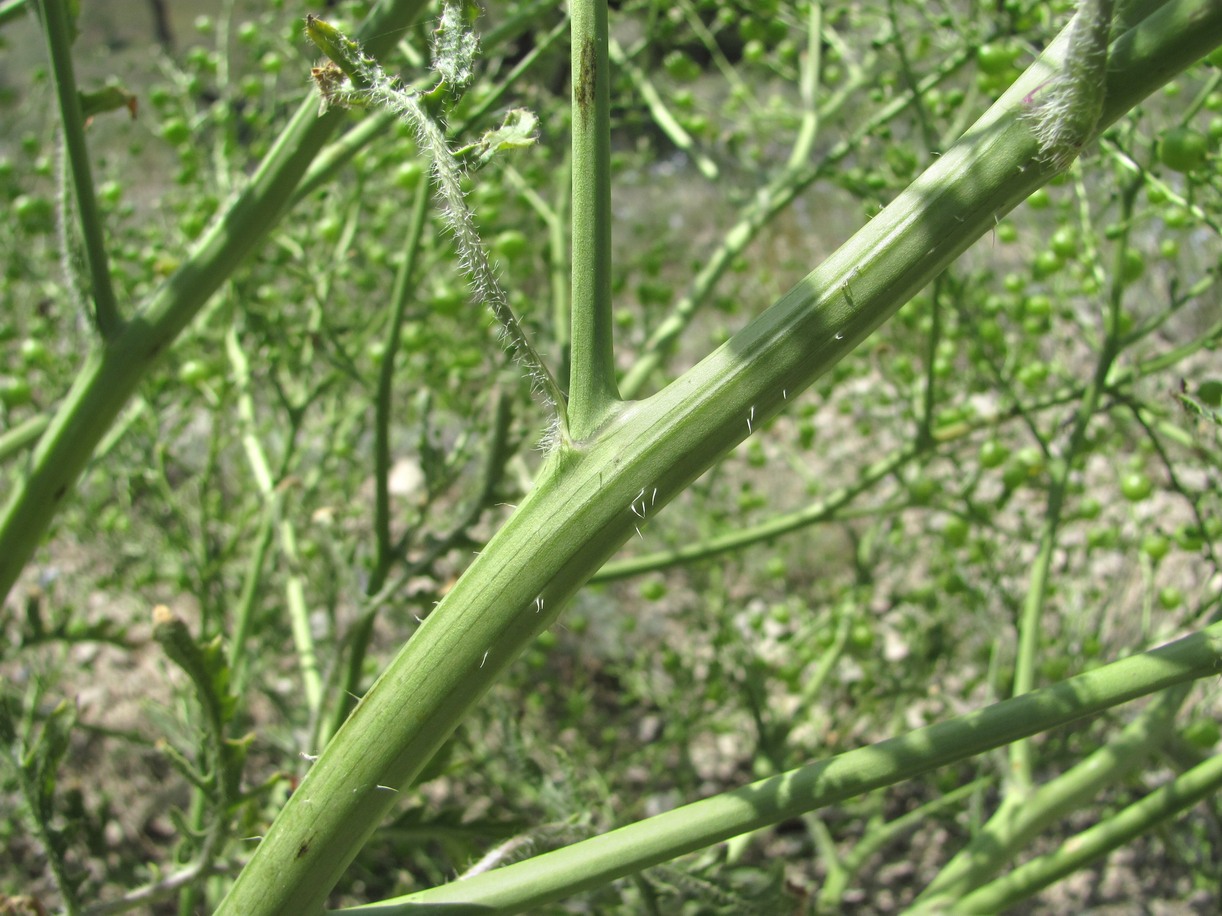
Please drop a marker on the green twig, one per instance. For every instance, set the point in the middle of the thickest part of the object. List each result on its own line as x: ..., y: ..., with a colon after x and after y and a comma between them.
x: 879, y: 835
x: 59, y: 44
x: 400, y: 296
x: 592, y: 389
x: 808, y: 86
x: 272, y: 494
x: 11, y: 9
x: 385, y: 549
x: 592, y: 863
x: 667, y: 123
x: 1137, y: 820
x: 820, y: 511
x: 357, y: 78
x: 1021, y: 819
x: 1030, y: 621
x: 244, y: 611
x: 782, y: 190
x: 23, y: 435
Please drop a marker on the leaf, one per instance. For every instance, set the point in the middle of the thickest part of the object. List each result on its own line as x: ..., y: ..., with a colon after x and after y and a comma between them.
x: 519, y: 129
x: 109, y: 98
x: 204, y: 664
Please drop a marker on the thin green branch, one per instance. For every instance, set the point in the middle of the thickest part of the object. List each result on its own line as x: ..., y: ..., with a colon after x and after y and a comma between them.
x: 1030, y: 624
x: 877, y: 836
x: 1139, y: 819
x: 819, y: 511
x: 401, y: 294
x: 808, y: 87
x: 386, y: 551
x: 59, y: 45
x: 661, y: 115
x: 1021, y: 819
x: 737, y: 84
x: 594, y: 862
x: 242, y: 618
x: 11, y: 9
x: 272, y: 494
x: 363, y: 81
x: 929, y: 391
x: 23, y: 435
x: 592, y: 388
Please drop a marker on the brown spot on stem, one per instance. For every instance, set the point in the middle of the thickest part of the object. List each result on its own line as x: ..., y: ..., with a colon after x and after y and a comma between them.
x: 583, y: 92
x: 302, y: 850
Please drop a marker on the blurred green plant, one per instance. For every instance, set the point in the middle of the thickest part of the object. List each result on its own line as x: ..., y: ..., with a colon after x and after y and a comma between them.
x: 975, y: 472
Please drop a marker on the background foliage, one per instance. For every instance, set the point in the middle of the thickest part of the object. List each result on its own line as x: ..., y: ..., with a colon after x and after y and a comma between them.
x: 239, y: 488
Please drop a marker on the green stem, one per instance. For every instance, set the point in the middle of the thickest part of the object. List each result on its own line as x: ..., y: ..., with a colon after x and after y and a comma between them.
x: 592, y: 863
x: 588, y: 500
x: 820, y: 511
x: 385, y: 550
x: 1030, y: 621
x: 23, y: 435
x: 11, y: 9
x: 592, y: 390
x: 1020, y: 819
x: 243, y: 614
x: 272, y: 494
x: 808, y: 86
x: 400, y: 295
x: 59, y: 45
x: 883, y: 834
x: 1139, y: 819
x: 778, y: 194
x: 558, y: 267
x: 929, y: 392
x: 661, y: 115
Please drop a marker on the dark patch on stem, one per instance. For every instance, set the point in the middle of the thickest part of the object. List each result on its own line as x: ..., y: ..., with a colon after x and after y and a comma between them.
x: 583, y: 92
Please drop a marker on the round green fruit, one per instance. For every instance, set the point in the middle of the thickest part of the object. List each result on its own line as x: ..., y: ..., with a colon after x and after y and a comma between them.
x: 15, y: 392
x: 995, y: 59
x: 409, y: 175
x: 511, y: 244
x: 34, y: 352
x: 1170, y: 598
x: 1183, y: 149
x: 1203, y: 733
x: 194, y: 372
x: 993, y: 454
x: 1136, y: 486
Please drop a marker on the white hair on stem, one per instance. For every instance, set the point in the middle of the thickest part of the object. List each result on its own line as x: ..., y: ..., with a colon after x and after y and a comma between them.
x: 368, y: 84
x: 1068, y: 108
